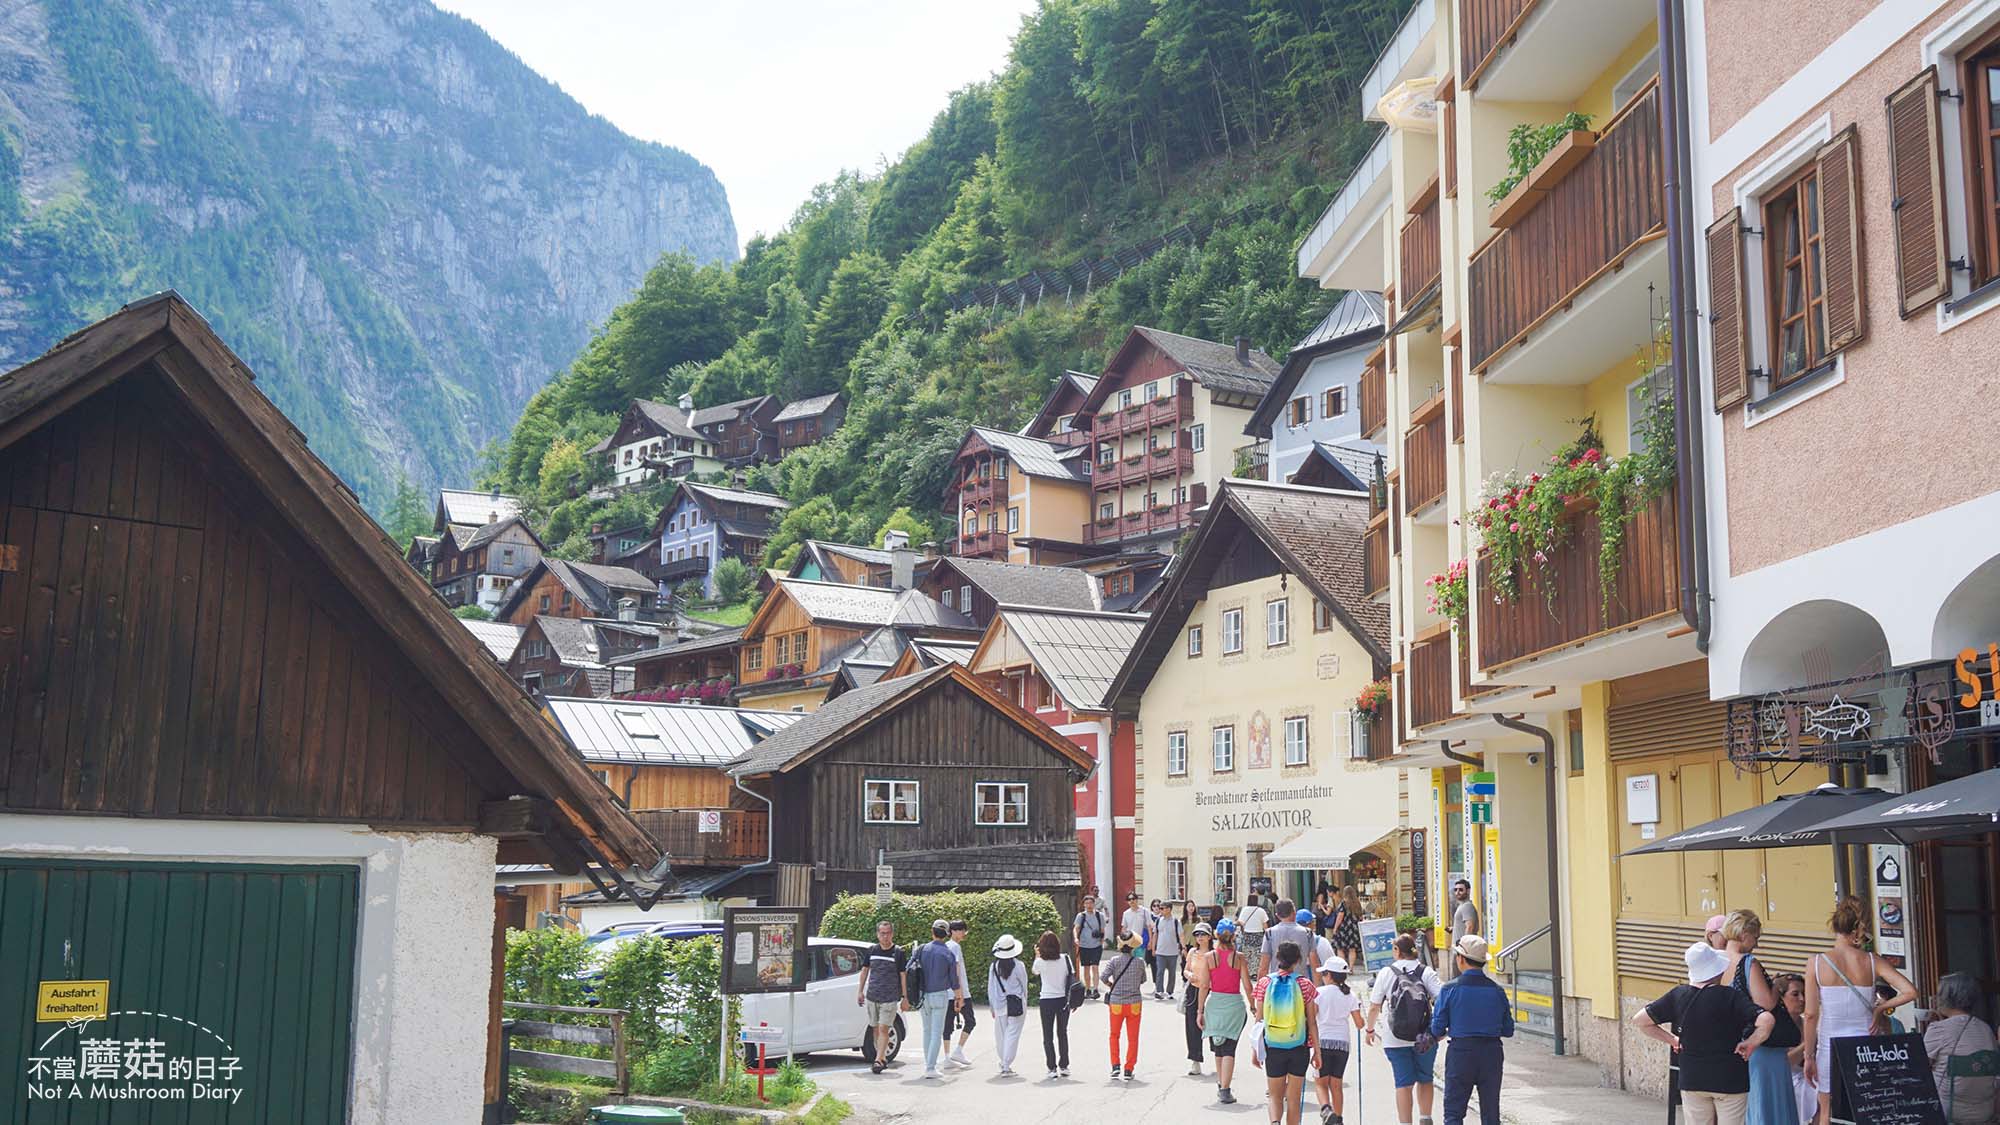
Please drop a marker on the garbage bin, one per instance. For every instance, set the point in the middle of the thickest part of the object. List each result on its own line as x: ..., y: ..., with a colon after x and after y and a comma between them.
x: 653, y: 1114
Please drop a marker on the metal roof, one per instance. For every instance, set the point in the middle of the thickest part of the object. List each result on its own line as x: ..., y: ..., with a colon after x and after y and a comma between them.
x: 722, y: 638
x: 499, y: 637
x: 1061, y: 587
x: 807, y: 407
x: 477, y: 509
x: 1360, y: 313
x: 737, y: 495
x: 870, y: 605
x: 1078, y: 653
x: 1034, y: 456
x: 938, y: 651
x: 663, y: 734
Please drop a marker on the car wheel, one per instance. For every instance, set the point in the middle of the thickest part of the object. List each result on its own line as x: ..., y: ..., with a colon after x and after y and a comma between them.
x: 895, y: 1043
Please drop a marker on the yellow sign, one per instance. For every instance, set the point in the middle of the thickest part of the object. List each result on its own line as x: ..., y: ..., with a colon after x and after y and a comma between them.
x: 57, y: 1001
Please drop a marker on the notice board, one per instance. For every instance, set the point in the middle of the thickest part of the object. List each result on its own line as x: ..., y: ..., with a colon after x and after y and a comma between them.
x: 1884, y: 1080
x: 763, y: 949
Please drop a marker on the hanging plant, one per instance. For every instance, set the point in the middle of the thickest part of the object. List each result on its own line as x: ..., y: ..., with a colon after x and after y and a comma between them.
x: 1527, y: 144
x: 1373, y: 698
x: 1450, y: 596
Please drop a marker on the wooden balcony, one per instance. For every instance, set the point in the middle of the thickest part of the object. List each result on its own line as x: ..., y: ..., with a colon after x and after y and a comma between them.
x: 1583, y: 226
x: 1379, y: 732
x: 1423, y: 455
x: 745, y: 835
x: 1420, y: 258
x: 1373, y: 401
x: 974, y: 492
x: 1375, y: 557
x: 1173, y: 410
x: 1169, y: 460
x: 1143, y: 522
x: 680, y: 570
x: 983, y: 545
x: 1484, y: 27
x: 1430, y: 680
x: 1535, y: 623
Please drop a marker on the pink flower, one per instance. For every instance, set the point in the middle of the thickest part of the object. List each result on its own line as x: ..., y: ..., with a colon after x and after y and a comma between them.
x: 1513, y: 527
x: 1534, y: 507
x: 1593, y: 456
x: 1540, y: 557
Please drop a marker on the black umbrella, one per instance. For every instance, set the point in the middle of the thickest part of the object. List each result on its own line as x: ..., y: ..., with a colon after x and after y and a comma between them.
x: 1965, y: 807
x: 1790, y: 821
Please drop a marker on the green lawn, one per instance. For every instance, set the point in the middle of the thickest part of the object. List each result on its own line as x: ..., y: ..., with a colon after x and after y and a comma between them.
x: 737, y: 614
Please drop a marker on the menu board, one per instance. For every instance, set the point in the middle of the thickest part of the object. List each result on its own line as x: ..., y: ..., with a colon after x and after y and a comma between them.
x: 1884, y: 1080
x: 763, y: 949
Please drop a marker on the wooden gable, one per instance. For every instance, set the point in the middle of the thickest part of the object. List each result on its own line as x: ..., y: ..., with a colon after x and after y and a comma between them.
x: 636, y: 426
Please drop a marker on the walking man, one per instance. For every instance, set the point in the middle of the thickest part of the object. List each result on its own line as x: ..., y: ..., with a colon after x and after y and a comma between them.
x: 942, y: 986
x: 1166, y: 951
x: 1474, y: 1012
x: 1252, y: 921
x: 1295, y: 927
x: 961, y: 1016
x: 1408, y: 989
x: 1086, y: 936
x: 880, y: 992
x: 1464, y: 915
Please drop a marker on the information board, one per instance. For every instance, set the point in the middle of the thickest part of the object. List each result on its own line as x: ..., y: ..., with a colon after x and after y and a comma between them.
x: 763, y: 949
x: 1884, y: 1080
x: 1378, y: 943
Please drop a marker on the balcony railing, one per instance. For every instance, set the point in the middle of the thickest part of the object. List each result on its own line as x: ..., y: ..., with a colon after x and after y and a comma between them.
x: 1484, y: 27
x: 983, y: 544
x: 1423, y: 456
x: 1420, y: 260
x: 975, y: 492
x: 1375, y: 727
x: 1607, y: 205
x: 680, y: 570
x: 1375, y: 558
x: 745, y: 834
x: 1170, y: 411
x: 1430, y: 681
x: 1253, y: 460
x: 1169, y: 460
x: 1374, y: 398
x: 1540, y: 620
x: 1142, y: 521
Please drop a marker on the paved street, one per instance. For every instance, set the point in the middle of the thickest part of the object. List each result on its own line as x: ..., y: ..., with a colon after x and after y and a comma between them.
x: 1540, y: 1090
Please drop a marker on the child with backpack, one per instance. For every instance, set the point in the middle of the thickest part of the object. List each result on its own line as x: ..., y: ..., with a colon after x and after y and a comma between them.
x: 1339, y: 1018
x: 1284, y: 1001
x: 1408, y: 989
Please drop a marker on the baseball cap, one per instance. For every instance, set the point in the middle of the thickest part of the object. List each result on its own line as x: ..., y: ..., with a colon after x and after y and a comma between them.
x: 1715, y: 925
x: 1305, y: 918
x: 1472, y: 947
x: 1333, y: 965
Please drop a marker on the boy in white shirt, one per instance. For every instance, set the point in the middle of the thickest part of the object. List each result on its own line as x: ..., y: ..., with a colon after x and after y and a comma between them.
x: 1339, y: 1017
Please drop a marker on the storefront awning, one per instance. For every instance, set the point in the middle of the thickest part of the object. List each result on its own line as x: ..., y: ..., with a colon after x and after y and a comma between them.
x: 1328, y: 847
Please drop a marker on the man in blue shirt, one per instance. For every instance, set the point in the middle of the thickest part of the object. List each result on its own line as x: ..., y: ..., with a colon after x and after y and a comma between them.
x: 1475, y: 1012
x: 941, y: 987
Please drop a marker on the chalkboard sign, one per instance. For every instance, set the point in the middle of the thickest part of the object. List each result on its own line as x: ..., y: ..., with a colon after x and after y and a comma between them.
x: 1884, y: 1080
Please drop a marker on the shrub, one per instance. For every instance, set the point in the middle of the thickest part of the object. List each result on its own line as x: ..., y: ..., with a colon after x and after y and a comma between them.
x: 733, y: 579
x: 671, y: 992
x: 543, y: 966
x: 676, y: 1068
x: 1025, y: 914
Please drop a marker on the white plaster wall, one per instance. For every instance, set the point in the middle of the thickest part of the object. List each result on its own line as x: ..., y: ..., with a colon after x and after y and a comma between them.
x: 423, y: 950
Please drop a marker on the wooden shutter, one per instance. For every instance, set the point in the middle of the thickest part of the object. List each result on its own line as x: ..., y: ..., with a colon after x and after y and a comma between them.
x: 1916, y: 188
x: 1728, y: 326
x: 1839, y: 175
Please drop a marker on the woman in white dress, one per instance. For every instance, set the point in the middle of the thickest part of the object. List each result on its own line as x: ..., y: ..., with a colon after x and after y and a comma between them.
x: 1840, y: 995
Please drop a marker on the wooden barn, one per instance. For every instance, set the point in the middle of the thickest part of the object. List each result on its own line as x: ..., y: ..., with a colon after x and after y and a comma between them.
x: 254, y: 778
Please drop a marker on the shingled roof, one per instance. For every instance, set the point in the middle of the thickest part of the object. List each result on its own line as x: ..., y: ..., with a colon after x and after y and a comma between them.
x: 1060, y: 587
x: 1054, y: 863
x: 724, y: 411
x: 597, y: 585
x: 807, y: 407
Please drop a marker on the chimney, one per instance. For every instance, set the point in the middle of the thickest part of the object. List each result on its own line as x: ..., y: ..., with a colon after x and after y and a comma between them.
x: 628, y: 609
x: 1243, y: 349
x: 894, y: 538
x: 902, y: 561
x: 687, y: 403
x: 932, y: 551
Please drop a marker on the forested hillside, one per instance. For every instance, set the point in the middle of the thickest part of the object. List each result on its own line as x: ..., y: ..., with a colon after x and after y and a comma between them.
x: 1113, y: 121
x: 401, y: 228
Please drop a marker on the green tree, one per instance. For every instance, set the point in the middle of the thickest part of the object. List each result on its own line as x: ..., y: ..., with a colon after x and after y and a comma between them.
x: 406, y: 517
x: 850, y: 312
x: 901, y: 520
x: 916, y: 192
x: 471, y: 613
x: 815, y: 519
x: 733, y: 580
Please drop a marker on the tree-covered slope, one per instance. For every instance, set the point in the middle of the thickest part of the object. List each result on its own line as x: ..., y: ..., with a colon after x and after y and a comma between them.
x: 403, y: 229
x: 1112, y: 122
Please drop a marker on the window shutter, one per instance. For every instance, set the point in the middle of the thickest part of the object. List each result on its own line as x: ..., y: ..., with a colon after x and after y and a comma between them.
x: 1728, y: 327
x: 1839, y: 175
x: 1916, y: 188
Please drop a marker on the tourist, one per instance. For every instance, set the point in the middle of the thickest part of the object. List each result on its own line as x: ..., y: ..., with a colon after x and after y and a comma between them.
x: 1711, y: 934
x: 1716, y: 1030
x: 1409, y: 989
x: 1476, y: 1014
x: 1788, y: 1020
x: 1124, y: 988
x: 1166, y: 951
x: 1464, y: 915
x: 943, y: 984
x: 1771, y: 1100
x: 1838, y: 1003
x: 1295, y: 926
x: 1054, y: 971
x: 1223, y: 1013
x: 1339, y: 1018
x: 1196, y: 971
x: 1955, y: 1033
x: 1251, y: 921
x: 1284, y: 1002
x: 1007, y: 992
x: 880, y: 991
x: 961, y: 1014
x: 1137, y: 919
x: 1344, y: 928
x: 1086, y: 935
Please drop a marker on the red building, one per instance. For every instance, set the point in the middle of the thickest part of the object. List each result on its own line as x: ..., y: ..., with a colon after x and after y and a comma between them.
x: 1057, y: 664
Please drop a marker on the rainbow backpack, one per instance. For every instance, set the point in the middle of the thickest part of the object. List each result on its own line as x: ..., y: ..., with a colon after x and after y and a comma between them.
x: 1284, y: 1012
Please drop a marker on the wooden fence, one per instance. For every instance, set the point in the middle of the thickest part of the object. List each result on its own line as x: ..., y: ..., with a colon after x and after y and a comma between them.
x: 612, y: 1036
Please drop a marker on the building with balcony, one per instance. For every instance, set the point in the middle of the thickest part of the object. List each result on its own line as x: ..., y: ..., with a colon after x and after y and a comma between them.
x: 738, y: 433
x: 684, y: 668
x: 1163, y: 422
x: 656, y: 439
x: 572, y: 656
x: 701, y: 523
x: 478, y: 568
x: 1315, y: 399
x: 1055, y: 421
x: 791, y: 651
x: 1010, y: 488
x: 578, y: 590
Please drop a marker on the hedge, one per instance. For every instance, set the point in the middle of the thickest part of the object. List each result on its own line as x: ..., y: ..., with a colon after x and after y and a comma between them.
x: 1025, y: 914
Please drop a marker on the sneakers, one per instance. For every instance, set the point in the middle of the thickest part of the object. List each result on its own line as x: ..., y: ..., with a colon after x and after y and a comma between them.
x: 959, y: 1058
x: 1060, y: 1072
x: 1326, y: 1114
x: 1128, y: 1074
x: 1194, y: 1068
x: 1116, y: 1073
x: 1052, y: 1075
x: 932, y: 1074
x: 1223, y: 1095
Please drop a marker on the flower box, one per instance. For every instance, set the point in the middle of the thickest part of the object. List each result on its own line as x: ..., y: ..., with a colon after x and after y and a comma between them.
x: 1536, y: 185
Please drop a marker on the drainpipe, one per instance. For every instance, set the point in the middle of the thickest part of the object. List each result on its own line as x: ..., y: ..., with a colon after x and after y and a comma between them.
x: 1107, y: 830
x: 1514, y: 722
x: 1691, y: 508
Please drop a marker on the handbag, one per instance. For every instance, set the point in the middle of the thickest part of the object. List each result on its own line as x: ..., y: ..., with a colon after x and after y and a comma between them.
x: 1131, y: 960
x: 1073, y: 995
x: 1016, y: 1006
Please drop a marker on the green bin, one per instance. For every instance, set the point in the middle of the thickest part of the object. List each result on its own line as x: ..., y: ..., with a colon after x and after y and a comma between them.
x: 655, y: 1114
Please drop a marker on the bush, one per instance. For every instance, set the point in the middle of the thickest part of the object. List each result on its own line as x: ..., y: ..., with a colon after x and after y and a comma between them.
x: 733, y: 579
x: 1025, y: 914
x: 543, y: 966
x: 670, y: 990
x: 674, y: 1069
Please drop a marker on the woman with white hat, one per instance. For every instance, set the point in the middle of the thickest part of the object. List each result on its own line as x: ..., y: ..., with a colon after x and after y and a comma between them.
x: 1007, y: 992
x: 1716, y: 1030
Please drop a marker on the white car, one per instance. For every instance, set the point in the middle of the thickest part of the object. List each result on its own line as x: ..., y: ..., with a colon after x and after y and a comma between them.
x: 824, y: 1017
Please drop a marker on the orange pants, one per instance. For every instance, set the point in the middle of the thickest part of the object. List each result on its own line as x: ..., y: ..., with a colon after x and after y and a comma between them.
x: 1126, y: 1016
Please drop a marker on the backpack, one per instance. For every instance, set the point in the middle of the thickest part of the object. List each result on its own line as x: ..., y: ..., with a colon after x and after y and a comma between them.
x: 1284, y: 1011
x: 1409, y: 1005
x: 1073, y: 995
x: 913, y: 976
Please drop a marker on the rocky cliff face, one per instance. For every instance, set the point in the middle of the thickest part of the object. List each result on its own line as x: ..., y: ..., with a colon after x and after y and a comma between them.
x: 403, y: 229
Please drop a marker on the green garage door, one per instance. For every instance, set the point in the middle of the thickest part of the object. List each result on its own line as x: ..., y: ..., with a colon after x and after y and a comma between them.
x: 229, y: 995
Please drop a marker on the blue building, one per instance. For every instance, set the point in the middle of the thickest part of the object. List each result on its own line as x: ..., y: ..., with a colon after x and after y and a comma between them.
x: 1312, y: 411
x: 704, y: 522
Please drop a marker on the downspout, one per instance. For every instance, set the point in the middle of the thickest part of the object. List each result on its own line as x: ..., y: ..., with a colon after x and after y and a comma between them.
x: 1515, y: 722
x: 770, y: 830
x: 1107, y: 824
x: 1691, y: 506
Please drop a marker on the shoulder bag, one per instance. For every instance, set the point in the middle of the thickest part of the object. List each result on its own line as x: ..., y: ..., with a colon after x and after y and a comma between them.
x: 1073, y: 995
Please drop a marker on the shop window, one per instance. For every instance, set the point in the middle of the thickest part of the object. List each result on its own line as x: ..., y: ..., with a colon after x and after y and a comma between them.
x: 1000, y: 804
x: 1177, y: 753
x: 889, y: 802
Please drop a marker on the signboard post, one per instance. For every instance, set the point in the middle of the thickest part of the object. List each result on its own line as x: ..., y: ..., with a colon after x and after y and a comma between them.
x: 885, y: 885
x: 1378, y: 943
x: 1883, y: 1080
x: 763, y: 950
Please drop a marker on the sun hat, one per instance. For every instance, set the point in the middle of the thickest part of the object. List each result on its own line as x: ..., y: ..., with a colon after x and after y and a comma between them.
x: 1007, y: 946
x: 1472, y: 947
x: 1203, y: 928
x: 1305, y: 918
x: 1705, y: 963
x: 1333, y: 965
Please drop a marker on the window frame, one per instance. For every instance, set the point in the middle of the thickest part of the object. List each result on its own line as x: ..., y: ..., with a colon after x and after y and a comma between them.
x: 1221, y: 744
x: 1323, y: 618
x: 1222, y: 878
x: 1107, y: 511
x: 753, y: 658
x: 1981, y: 131
x: 1303, y: 724
x: 916, y: 801
x: 1013, y: 520
x: 1298, y: 411
x: 1177, y: 877
x: 1177, y: 740
x: 1003, y: 788
x: 1333, y: 401
x: 1197, y: 437
x: 1233, y: 615
x: 1194, y: 640
x: 1277, y: 622
x: 1775, y: 261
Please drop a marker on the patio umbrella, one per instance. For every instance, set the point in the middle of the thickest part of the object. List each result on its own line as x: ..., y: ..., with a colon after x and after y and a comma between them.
x: 1791, y: 821
x: 1965, y: 807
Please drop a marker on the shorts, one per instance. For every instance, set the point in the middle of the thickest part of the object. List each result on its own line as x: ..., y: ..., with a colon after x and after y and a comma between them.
x: 882, y: 1013
x: 1090, y: 955
x: 1412, y: 1068
x: 1332, y: 1059
x: 1223, y: 1048
x: 1287, y: 1062
x: 961, y: 1019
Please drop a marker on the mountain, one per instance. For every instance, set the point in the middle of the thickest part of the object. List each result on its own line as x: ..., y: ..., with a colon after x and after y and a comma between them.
x: 402, y: 228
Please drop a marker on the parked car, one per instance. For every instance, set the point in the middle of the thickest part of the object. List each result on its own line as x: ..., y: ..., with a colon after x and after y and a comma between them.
x: 606, y: 941
x: 824, y: 1017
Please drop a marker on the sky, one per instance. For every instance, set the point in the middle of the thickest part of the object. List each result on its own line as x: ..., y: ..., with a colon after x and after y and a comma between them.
x: 774, y: 95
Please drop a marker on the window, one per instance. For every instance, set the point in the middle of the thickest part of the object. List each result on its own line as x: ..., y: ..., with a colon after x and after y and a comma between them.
x: 1000, y: 469
x: 1299, y: 411
x: 1000, y: 804
x: 1063, y: 422
x: 603, y: 777
x: 1655, y: 386
x: 538, y: 648
x: 1296, y: 752
x: 1792, y: 266
x: 1177, y: 756
x: 1198, y: 437
x: 1124, y: 398
x: 1045, y: 694
x: 971, y: 526
x: 993, y: 521
x: 889, y: 802
x: 1222, y: 749
x: 965, y: 599
x: 948, y: 598
x: 1152, y: 500
x: 1322, y: 616
x: 1194, y: 640
x: 1153, y: 441
x: 1278, y: 622
x: 507, y: 554
x: 1224, y: 869
x: 532, y: 681
x: 1334, y: 402
x: 1635, y: 79
x: 1104, y: 511
x: 1232, y: 631
x: 1106, y: 454
x: 1177, y: 880
x: 1013, y: 520
x: 1152, y: 391
x: 1980, y: 79
x: 545, y: 603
